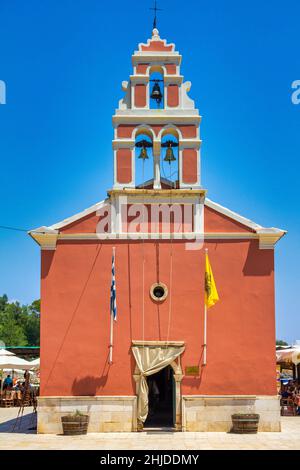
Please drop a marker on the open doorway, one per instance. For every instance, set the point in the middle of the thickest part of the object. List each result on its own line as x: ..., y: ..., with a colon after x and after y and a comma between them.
x: 161, y: 399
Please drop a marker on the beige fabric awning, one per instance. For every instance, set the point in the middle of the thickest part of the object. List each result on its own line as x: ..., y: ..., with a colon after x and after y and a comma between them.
x: 151, y: 358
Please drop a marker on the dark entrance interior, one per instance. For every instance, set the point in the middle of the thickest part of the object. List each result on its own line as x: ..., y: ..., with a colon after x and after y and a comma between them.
x: 161, y: 399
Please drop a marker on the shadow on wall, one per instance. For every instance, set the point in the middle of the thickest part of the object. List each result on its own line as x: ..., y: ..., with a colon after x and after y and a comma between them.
x: 47, y: 259
x: 258, y: 262
x: 88, y: 386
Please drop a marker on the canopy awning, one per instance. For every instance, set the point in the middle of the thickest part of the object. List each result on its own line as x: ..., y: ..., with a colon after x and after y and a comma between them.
x: 289, y: 355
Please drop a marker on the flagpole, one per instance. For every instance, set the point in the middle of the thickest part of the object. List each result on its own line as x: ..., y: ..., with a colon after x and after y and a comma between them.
x: 111, y: 342
x: 205, y: 334
x: 205, y: 326
x: 111, y: 338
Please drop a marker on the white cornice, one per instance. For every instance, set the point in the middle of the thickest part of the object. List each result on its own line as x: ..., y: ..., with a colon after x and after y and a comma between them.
x: 158, y: 119
x: 232, y: 215
x: 190, y: 236
x: 171, y: 113
x: 156, y: 58
x: 268, y: 237
x: 79, y: 215
x: 183, y: 143
x: 47, y: 237
x: 138, y: 79
x: 173, y: 79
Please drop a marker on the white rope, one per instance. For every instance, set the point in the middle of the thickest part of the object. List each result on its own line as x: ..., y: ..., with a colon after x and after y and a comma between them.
x: 143, y: 270
x: 171, y: 270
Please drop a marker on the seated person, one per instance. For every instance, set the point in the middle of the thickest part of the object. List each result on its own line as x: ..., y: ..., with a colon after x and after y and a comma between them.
x: 284, y: 392
x: 18, y: 385
x: 8, y: 383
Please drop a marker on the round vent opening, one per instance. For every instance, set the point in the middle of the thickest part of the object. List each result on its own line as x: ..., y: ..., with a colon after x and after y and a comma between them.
x: 158, y: 292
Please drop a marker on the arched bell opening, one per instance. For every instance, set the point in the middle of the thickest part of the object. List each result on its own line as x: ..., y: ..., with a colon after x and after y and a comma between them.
x: 170, y: 156
x: 156, y: 87
x: 143, y: 156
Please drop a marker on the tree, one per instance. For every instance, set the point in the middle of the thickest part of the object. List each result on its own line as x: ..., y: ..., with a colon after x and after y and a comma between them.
x: 19, y: 324
x: 11, y: 333
x: 280, y: 342
x: 32, y: 327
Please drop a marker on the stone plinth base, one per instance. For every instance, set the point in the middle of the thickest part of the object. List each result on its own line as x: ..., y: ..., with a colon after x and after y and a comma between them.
x: 107, y: 414
x: 118, y: 413
x: 213, y: 413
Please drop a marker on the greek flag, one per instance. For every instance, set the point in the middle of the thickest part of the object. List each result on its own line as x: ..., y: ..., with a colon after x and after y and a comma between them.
x: 113, y: 298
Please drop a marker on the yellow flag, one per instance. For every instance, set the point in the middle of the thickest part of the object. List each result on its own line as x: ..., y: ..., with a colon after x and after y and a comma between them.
x: 211, y: 293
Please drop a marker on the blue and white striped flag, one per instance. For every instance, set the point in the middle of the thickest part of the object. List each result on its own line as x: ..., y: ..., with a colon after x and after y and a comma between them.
x: 113, y: 297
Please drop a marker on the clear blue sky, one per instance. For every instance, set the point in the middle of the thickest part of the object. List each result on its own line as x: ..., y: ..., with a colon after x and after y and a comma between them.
x: 63, y: 62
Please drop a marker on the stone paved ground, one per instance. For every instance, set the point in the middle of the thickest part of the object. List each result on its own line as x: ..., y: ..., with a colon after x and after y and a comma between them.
x: 24, y: 438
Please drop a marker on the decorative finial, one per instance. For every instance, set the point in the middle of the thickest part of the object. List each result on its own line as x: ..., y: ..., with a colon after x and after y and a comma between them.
x: 155, y: 34
x: 155, y: 17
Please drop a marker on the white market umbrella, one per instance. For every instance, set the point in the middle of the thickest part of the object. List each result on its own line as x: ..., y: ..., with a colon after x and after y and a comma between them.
x: 4, y: 352
x: 290, y: 355
x: 18, y: 371
x: 13, y: 362
x: 35, y: 363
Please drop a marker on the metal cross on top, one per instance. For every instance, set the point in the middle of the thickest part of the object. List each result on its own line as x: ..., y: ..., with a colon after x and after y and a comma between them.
x: 155, y: 10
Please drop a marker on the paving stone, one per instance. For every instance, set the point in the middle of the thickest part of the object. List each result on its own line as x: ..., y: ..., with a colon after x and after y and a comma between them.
x: 24, y: 438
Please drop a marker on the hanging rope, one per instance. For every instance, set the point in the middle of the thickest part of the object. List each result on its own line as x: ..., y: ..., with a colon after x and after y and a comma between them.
x: 171, y: 267
x: 143, y: 266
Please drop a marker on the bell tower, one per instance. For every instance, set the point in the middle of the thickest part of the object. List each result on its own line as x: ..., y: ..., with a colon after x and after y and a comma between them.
x: 157, y: 116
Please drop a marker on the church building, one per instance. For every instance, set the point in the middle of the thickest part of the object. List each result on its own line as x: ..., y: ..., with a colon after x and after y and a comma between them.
x: 125, y: 335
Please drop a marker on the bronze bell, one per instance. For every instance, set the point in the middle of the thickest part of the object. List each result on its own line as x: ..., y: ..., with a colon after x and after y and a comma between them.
x: 156, y: 93
x: 143, y: 154
x: 170, y: 157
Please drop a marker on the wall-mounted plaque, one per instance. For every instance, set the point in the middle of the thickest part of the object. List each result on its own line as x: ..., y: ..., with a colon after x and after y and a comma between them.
x: 192, y: 370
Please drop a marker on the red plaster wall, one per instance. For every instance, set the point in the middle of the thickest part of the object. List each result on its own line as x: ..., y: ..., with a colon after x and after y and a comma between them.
x: 188, y: 132
x: 86, y: 224
x: 156, y: 129
x: 216, y: 222
x: 189, y: 166
x: 142, y: 68
x: 171, y: 69
x: 140, y: 95
x: 75, y: 292
x: 213, y: 222
x: 156, y: 46
x: 124, y: 131
x: 124, y: 170
x: 173, y: 96
x: 180, y: 219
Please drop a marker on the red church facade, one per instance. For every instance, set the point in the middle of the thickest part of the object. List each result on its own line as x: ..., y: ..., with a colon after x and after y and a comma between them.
x: 76, y: 263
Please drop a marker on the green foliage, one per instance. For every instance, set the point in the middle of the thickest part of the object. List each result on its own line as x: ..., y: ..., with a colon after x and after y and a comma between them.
x: 280, y: 342
x: 19, y: 324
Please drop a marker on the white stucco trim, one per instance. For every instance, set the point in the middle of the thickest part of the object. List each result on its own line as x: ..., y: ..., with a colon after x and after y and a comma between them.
x: 167, y: 57
x: 117, y: 235
x: 155, y: 37
x: 232, y: 215
x: 80, y: 215
x: 47, y: 237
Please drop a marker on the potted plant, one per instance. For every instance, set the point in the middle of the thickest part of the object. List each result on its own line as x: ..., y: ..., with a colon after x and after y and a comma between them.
x: 245, y: 423
x: 75, y: 424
